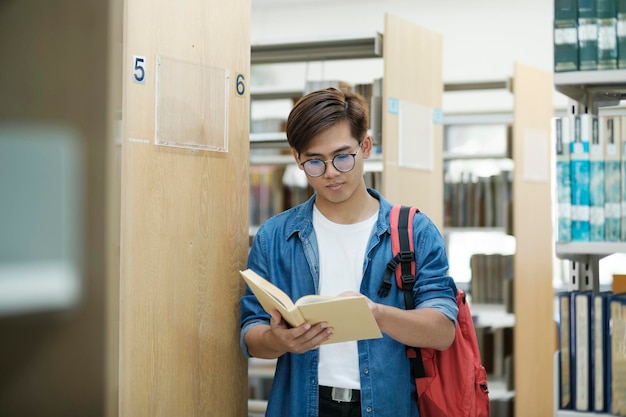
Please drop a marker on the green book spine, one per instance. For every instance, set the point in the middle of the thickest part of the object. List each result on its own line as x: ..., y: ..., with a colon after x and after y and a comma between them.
x: 587, y: 35
x: 621, y: 33
x: 565, y: 35
x: 607, y: 34
x: 563, y: 136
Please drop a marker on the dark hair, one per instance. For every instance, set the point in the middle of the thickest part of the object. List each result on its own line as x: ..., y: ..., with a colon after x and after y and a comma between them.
x: 322, y: 109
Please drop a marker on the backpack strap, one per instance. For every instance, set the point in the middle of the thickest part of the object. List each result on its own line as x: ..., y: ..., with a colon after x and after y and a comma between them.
x: 401, y: 226
x: 402, y: 248
x: 405, y: 276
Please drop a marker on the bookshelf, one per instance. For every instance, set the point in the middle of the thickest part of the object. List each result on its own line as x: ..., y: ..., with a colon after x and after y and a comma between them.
x: 526, y: 150
x: 592, y: 90
x: 477, y: 164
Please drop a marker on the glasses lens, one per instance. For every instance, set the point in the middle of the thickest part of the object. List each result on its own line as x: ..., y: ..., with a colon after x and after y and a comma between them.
x: 344, y: 162
x: 314, y: 167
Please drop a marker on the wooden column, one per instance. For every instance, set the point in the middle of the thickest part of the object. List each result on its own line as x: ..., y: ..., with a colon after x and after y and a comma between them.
x: 413, y: 80
x: 54, y: 73
x: 184, y: 217
x: 534, y: 344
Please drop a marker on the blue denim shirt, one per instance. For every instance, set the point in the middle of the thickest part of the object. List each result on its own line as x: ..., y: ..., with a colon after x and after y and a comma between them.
x: 285, y: 251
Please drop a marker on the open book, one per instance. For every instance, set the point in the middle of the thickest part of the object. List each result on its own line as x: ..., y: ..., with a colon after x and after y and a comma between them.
x: 350, y: 317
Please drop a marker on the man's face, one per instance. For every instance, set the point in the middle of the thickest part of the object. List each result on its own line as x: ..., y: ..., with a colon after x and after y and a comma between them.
x: 333, y: 185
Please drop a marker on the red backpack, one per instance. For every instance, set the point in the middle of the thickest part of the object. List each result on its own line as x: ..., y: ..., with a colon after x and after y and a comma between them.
x: 453, y: 382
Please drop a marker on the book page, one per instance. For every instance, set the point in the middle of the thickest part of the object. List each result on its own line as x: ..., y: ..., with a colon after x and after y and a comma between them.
x: 272, y: 298
x: 313, y: 298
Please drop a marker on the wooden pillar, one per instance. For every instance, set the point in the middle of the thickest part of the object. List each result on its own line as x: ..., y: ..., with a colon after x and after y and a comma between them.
x: 184, y: 208
x: 532, y: 227
x: 412, y: 136
x: 54, y: 73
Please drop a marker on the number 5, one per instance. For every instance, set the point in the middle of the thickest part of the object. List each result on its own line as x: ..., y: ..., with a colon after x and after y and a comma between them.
x: 139, y: 69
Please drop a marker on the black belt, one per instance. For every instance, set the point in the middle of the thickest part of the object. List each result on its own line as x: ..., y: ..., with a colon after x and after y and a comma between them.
x: 342, y: 395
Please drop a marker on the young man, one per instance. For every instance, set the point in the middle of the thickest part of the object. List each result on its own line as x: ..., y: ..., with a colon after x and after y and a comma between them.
x: 336, y: 243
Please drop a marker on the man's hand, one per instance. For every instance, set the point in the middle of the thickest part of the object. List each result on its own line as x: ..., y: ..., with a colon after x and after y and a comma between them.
x: 278, y: 338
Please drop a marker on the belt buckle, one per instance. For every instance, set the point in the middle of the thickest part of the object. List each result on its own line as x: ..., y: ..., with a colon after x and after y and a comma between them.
x: 341, y: 394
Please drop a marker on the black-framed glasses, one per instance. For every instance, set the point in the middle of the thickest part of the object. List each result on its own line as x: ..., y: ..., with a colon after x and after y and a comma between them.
x: 343, y: 162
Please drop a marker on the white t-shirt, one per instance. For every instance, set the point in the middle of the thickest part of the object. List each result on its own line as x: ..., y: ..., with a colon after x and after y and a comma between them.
x: 341, y: 255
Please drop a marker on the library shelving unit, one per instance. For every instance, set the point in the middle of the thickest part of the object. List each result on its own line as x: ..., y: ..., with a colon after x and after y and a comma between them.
x: 476, y: 160
x: 593, y: 90
x: 530, y: 223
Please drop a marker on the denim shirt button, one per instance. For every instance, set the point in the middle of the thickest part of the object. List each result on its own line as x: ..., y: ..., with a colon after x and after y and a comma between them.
x: 369, y: 409
x: 366, y: 371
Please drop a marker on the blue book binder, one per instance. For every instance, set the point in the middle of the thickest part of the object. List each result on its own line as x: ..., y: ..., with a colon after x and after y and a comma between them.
x: 562, y: 132
x: 580, y: 177
x: 617, y: 385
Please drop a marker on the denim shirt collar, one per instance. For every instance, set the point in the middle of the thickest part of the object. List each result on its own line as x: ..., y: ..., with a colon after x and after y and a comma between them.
x: 302, y: 223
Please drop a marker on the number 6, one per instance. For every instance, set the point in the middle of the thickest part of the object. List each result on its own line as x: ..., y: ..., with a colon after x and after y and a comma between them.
x: 241, y: 85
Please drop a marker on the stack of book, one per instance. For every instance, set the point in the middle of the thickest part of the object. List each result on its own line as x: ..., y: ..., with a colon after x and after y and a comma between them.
x: 491, y: 281
x: 478, y: 201
x: 590, y: 177
x: 592, y: 352
x: 589, y: 35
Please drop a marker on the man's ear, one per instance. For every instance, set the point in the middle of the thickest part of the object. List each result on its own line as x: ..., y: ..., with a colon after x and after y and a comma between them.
x: 366, y: 146
x: 295, y: 156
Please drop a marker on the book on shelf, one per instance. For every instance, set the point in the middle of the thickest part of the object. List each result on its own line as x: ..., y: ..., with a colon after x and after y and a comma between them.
x: 621, y: 140
x: 579, y: 172
x: 599, y: 359
x: 618, y: 355
x: 587, y: 35
x: 596, y: 184
x: 607, y: 34
x: 501, y: 406
x: 478, y: 201
x: 565, y: 358
x: 470, y: 201
x: 562, y: 132
x: 581, y: 351
x: 619, y: 283
x: 503, y: 199
x: 488, y: 205
x: 491, y: 277
x: 265, y: 196
x: 565, y: 35
x: 349, y: 316
x: 621, y: 34
x: 609, y: 130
